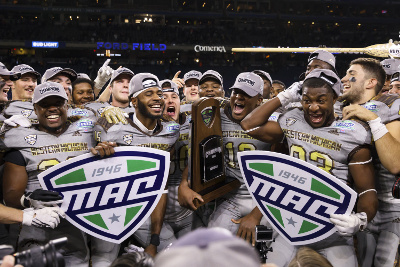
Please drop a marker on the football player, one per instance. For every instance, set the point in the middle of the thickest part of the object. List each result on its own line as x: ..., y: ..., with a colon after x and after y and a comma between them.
x: 119, y: 90
x: 178, y: 220
x: 33, y: 150
x: 277, y: 87
x: 344, y: 152
x: 22, y: 94
x: 82, y: 91
x: 65, y: 77
x: 267, y: 80
x: 211, y: 85
x: 191, y: 88
x: 145, y: 129
x: 236, y: 210
x: 390, y: 65
x: 395, y: 84
x: 363, y: 81
x: 8, y: 77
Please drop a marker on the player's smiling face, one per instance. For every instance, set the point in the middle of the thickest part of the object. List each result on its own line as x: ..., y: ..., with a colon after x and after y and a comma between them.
x: 353, y: 83
x: 172, y: 105
x: 83, y: 93
x: 120, y: 89
x: 191, y: 90
x: 242, y: 104
x: 210, y: 87
x: 24, y: 87
x: 52, y: 114
x: 150, y: 103
x: 318, y: 106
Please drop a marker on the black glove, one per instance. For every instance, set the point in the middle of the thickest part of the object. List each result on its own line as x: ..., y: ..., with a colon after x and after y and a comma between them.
x: 41, y: 198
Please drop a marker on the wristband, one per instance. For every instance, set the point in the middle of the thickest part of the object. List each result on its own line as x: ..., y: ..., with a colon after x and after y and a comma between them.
x: 368, y: 190
x: 155, y: 240
x: 253, y: 129
x: 24, y: 202
x: 378, y: 129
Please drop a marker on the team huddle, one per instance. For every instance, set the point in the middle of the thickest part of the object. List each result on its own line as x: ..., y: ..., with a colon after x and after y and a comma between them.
x: 348, y: 127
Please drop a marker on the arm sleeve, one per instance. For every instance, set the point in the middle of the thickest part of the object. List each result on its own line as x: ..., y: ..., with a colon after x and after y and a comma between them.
x: 15, y: 157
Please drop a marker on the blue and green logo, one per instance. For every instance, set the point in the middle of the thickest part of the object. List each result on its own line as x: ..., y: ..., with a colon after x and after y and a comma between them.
x: 296, y: 197
x: 110, y: 198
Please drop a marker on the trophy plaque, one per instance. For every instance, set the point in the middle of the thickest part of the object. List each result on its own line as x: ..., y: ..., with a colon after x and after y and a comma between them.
x: 207, y: 171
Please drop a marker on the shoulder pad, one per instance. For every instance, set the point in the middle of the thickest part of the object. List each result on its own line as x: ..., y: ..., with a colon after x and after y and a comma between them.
x: 73, y: 119
x: 363, y: 123
x: 387, y: 99
x: 104, y: 123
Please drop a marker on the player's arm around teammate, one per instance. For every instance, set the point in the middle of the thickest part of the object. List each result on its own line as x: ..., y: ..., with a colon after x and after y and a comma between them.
x: 360, y: 167
x: 386, y: 137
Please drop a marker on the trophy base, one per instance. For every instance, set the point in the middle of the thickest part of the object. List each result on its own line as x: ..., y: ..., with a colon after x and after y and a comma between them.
x: 216, y: 191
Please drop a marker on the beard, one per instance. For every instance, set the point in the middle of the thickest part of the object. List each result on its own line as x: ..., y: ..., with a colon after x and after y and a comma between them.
x: 143, y: 109
x: 354, y: 95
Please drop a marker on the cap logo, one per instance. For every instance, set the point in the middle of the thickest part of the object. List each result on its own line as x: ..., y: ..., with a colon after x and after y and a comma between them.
x: 57, y: 69
x: 49, y: 89
x: 193, y: 75
x: 330, y: 80
x: 248, y: 81
x: 148, y: 83
x: 25, y: 68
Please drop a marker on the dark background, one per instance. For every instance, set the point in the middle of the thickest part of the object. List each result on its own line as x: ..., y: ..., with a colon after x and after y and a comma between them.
x: 181, y: 24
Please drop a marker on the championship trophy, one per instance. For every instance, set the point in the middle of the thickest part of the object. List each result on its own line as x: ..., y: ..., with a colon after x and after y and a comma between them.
x: 207, y: 170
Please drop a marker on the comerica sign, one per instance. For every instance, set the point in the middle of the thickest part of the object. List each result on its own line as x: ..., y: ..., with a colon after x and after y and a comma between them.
x: 206, y: 48
x: 133, y: 46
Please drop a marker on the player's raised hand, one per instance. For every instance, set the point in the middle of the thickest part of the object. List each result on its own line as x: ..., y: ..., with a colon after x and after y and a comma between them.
x: 103, y: 75
x: 179, y: 81
x: 291, y: 94
x: 104, y: 149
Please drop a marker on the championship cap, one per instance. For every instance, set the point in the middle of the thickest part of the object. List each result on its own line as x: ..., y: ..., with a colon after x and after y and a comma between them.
x: 209, y: 247
x: 141, y: 82
x: 250, y: 83
x: 47, y: 89
x: 211, y: 74
x: 120, y: 71
x: 395, y: 77
x: 5, y: 72
x: 323, y: 56
x: 83, y: 76
x: 193, y: 74
x: 329, y: 77
x: 23, y: 68
x: 264, y: 74
x: 391, y: 65
x: 50, y: 73
x: 174, y: 86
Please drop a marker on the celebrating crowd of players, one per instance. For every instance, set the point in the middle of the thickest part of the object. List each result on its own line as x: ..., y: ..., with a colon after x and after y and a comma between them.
x: 68, y: 114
